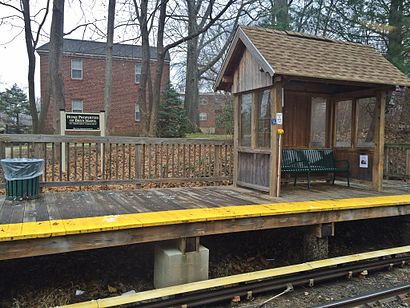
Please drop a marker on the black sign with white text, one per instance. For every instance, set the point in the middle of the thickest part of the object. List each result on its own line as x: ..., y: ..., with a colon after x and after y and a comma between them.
x: 82, y: 121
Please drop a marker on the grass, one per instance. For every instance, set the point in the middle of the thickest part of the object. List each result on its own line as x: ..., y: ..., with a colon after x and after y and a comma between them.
x: 209, y: 136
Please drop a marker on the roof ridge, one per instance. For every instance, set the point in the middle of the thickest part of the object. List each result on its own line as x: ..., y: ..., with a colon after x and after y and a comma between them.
x: 304, y: 35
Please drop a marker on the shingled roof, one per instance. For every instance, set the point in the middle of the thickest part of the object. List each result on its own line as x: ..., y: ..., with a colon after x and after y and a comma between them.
x: 93, y: 48
x: 296, y: 54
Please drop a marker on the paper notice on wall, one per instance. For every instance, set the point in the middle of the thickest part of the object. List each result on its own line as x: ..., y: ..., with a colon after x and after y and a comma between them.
x: 364, y: 161
x: 279, y: 118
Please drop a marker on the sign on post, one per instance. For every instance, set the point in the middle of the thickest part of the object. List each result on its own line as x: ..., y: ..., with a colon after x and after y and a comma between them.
x: 78, y: 121
x: 82, y: 121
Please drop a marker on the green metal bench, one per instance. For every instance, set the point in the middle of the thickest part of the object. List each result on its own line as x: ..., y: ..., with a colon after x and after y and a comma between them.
x: 309, y: 161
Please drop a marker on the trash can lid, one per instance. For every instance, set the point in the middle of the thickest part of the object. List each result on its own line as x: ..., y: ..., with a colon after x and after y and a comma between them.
x: 22, y: 168
x: 22, y: 160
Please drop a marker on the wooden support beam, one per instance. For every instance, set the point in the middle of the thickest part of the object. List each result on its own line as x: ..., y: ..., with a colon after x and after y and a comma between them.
x: 188, y: 244
x: 86, y: 241
x: 235, y: 103
x: 276, y: 107
x: 378, y: 160
x: 323, y: 230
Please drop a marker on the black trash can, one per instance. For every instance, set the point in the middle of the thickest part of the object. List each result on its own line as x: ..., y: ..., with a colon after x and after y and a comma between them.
x: 22, y: 177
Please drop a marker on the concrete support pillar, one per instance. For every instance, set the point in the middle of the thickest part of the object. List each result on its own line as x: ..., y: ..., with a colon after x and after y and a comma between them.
x: 316, y: 242
x: 180, y: 262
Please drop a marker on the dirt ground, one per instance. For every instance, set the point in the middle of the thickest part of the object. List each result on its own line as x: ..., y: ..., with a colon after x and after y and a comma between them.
x: 74, y: 277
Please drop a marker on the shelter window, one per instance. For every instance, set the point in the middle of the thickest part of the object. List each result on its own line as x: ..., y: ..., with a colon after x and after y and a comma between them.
x: 365, y: 111
x: 77, y: 105
x: 77, y: 69
x: 344, y: 123
x: 318, y: 122
x: 264, y: 115
x: 245, y: 120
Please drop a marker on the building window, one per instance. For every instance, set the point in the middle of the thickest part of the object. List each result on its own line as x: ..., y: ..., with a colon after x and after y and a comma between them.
x: 77, y: 106
x: 318, y: 122
x: 264, y: 119
x: 137, y: 113
x: 77, y: 69
x: 365, y: 115
x: 203, y: 116
x: 137, y: 72
x: 245, y: 119
x: 344, y: 123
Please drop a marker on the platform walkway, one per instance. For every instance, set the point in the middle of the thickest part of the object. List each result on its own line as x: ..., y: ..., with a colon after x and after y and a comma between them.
x: 69, y: 221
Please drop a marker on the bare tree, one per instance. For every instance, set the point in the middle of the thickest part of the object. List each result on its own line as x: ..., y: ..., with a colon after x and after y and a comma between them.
x: 206, y: 50
x: 55, y: 83
x: 31, y: 38
x: 161, y: 14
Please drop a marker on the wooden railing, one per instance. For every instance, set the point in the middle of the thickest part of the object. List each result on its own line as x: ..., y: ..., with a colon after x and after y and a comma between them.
x: 91, y: 160
x: 397, y: 161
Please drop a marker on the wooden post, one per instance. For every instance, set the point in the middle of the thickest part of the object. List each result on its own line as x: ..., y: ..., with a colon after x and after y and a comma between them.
x: 378, y: 159
x: 408, y: 163
x: 102, y: 134
x: 235, y: 137
x: 62, y: 133
x: 276, y: 107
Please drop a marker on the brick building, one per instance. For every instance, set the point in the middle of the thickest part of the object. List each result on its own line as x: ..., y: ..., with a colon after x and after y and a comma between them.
x: 83, y: 66
x: 210, y: 105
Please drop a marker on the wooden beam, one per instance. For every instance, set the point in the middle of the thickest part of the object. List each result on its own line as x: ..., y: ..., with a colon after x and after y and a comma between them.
x: 254, y: 119
x: 235, y: 103
x: 87, y: 241
x: 276, y: 107
x: 378, y: 159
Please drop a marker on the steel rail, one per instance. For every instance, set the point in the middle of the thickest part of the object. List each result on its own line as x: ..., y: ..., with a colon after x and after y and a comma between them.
x: 207, y: 297
x: 368, y: 298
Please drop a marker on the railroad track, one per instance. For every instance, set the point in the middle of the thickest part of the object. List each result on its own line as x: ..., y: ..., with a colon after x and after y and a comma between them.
x: 286, y: 278
x: 375, y: 299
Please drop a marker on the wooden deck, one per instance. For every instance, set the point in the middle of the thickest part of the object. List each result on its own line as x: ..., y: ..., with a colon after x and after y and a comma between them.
x: 69, y: 205
x: 63, y: 222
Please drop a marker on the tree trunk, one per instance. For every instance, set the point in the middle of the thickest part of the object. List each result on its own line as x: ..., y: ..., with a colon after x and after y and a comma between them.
x: 55, y: 84
x: 281, y: 14
x: 395, y: 35
x: 31, y: 64
x: 191, y: 100
x: 145, y: 85
x: 108, y: 65
x: 159, y: 68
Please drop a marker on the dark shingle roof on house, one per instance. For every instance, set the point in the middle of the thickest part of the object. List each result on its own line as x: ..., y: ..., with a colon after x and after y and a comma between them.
x: 98, y: 49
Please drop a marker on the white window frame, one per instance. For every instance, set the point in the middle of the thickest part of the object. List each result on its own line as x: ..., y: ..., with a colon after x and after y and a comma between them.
x: 77, y: 101
x: 138, y: 71
x: 137, y: 110
x: 77, y: 69
x: 202, y: 118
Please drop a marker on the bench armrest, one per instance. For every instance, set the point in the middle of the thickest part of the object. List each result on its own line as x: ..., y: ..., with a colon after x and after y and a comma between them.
x: 343, y: 161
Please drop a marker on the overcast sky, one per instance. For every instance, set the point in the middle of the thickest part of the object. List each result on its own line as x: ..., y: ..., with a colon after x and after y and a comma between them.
x: 13, y: 56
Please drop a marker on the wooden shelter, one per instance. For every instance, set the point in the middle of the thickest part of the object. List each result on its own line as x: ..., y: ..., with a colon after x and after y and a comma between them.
x: 330, y: 94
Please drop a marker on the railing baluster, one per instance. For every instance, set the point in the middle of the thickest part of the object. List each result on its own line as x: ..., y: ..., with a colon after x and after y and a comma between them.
x: 82, y: 161
x: 45, y: 162
x: 75, y: 161
x: 149, y: 160
x: 116, y: 161
x: 97, y: 158
x: 52, y: 161
x: 110, y: 162
x: 68, y: 161
x: 89, y: 161
x: 129, y: 161
x: 123, y: 161
x: 173, y: 160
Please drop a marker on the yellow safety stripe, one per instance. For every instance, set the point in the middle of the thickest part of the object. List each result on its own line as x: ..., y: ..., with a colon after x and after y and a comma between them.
x: 235, y: 279
x: 29, y: 230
